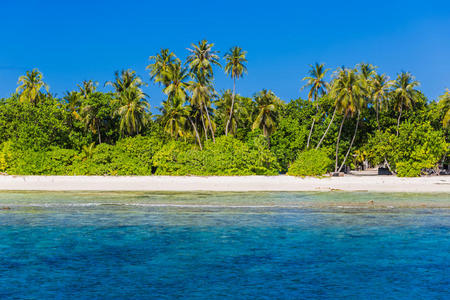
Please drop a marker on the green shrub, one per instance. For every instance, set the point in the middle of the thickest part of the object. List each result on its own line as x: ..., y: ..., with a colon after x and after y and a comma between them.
x: 311, y: 163
x: 55, y: 161
x: 227, y: 156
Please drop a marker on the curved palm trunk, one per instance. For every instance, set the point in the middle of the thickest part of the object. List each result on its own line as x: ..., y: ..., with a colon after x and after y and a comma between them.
x: 337, y: 142
x: 326, y: 131
x: 399, y: 116
x: 232, y: 104
x: 310, y: 132
x: 312, y: 126
x: 351, y: 144
x: 196, y: 133
x: 210, y: 125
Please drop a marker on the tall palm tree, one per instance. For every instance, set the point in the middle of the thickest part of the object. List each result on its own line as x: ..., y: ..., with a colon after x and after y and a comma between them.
x: 87, y: 88
x: 444, y: 103
x: 236, y: 68
x: 404, y: 93
x: 30, y: 86
x: 318, y: 87
x: 348, y: 90
x: 177, y: 84
x: 201, y: 96
x: 380, y: 91
x: 125, y: 80
x: 132, y: 111
x: 202, y: 58
x: 267, y: 105
x: 224, y: 105
x: 160, y: 64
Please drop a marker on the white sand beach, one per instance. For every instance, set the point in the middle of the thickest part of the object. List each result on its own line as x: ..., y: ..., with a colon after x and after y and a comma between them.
x: 435, y: 184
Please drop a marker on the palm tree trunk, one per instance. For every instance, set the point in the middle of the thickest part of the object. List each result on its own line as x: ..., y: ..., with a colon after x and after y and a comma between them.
x: 202, y: 117
x: 310, y: 132
x: 351, y: 143
x: 399, y: 116
x: 312, y: 126
x: 99, y: 135
x: 232, y: 104
x: 326, y: 131
x: 378, y: 121
x: 196, y: 133
x: 210, y: 125
x: 337, y: 142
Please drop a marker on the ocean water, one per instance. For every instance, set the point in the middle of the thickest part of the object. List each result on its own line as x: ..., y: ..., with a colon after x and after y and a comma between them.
x: 224, y: 246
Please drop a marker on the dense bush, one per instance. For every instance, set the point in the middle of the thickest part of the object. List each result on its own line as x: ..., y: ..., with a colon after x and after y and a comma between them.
x: 228, y: 156
x: 417, y: 147
x: 311, y: 163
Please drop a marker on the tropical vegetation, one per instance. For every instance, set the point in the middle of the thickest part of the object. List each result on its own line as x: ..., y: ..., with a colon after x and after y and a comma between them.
x: 357, y: 116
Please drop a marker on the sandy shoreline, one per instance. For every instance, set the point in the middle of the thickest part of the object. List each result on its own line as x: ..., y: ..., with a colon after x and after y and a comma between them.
x: 436, y: 184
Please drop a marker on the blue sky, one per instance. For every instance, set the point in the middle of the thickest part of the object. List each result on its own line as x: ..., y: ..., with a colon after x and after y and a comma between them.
x: 71, y: 41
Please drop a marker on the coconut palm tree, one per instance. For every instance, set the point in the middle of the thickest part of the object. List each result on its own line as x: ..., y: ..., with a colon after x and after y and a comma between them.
x: 160, y: 64
x: 380, y: 91
x: 404, y: 93
x: 125, y: 80
x: 202, y: 92
x: 90, y: 117
x: 235, y: 68
x: 267, y: 105
x: 30, y: 86
x: 318, y: 87
x: 132, y: 111
x: 73, y: 100
x: 202, y: 58
x: 348, y: 90
x: 87, y: 88
x: 177, y: 84
x: 224, y: 104
x: 173, y: 117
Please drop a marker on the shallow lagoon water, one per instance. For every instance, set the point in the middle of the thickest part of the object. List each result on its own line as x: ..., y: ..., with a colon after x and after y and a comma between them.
x: 224, y: 245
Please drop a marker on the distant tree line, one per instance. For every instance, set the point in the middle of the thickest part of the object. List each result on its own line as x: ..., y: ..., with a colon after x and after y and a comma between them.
x: 358, y: 117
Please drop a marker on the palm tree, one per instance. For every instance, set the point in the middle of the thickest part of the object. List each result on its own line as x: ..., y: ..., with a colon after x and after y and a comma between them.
x: 132, y: 111
x: 236, y: 68
x: 177, y: 86
x: 380, y: 90
x: 224, y: 105
x: 125, y: 80
x: 202, y: 92
x: 90, y: 117
x: 173, y: 117
x: 444, y: 103
x: 73, y: 100
x: 202, y: 59
x: 267, y: 105
x: 348, y: 90
x: 318, y: 86
x: 87, y: 151
x: 30, y: 86
x: 87, y: 88
x: 404, y: 93
x: 160, y: 64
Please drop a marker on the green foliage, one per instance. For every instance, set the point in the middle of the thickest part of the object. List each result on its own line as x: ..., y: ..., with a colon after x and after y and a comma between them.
x: 130, y: 156
x: 228, y: 156
x: 311, y: 163
x: 417, y: 147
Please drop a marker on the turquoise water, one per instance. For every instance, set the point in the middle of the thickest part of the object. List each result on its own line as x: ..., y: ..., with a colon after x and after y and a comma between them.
x: 224, y: 245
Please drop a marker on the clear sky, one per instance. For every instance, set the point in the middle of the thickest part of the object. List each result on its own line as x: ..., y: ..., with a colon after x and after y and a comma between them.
x: 71, y: 41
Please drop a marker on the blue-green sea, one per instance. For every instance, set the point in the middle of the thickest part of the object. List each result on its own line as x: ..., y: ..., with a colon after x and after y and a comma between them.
x: 334, y: 245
